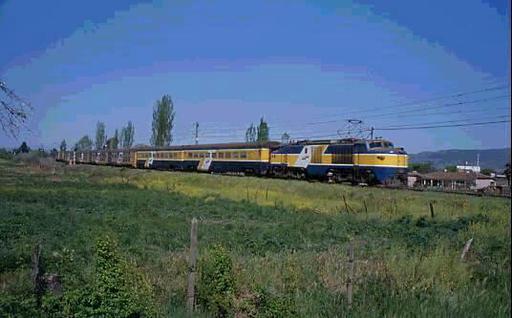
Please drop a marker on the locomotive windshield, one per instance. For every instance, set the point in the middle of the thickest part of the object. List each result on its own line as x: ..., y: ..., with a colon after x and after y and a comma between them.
x: 381, y: 144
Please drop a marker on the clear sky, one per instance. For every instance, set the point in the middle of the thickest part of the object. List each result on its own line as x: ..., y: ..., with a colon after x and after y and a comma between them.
x: 305, y: 66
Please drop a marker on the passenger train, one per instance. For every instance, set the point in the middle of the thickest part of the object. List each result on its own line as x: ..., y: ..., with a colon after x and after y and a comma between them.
x: 375, y: 161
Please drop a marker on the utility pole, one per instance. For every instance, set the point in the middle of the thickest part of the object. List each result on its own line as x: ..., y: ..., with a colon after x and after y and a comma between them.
x: 196, y: 132
x: 371, y: 132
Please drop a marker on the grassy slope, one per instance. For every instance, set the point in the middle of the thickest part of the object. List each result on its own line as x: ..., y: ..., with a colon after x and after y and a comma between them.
x: 288, y: 237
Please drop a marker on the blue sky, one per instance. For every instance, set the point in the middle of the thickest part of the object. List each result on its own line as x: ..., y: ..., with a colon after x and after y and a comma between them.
x: 305, y: 66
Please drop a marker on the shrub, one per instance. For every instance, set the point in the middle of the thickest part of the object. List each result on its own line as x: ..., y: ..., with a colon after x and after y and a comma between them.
x: 216, y: 286
x: 5, y: 154
x: 269, y: 305
x: 118, y: 290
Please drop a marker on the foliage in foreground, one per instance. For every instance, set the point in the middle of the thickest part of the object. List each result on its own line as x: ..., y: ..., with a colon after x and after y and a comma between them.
x: 275, y: 260
x: 115, y: 289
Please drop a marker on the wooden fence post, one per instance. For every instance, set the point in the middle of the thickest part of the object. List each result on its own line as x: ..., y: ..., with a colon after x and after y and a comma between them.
x: 37, y: 274
x: 466, y: 249
x: 365, y: 207
x: 431, y: 209
x: 192, y: 266
x: 350, y: 273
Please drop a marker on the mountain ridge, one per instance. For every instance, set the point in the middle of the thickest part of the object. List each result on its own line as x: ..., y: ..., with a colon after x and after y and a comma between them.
x: 495, y: 158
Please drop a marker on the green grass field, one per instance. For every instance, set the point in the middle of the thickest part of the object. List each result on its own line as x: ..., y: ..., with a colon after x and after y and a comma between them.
x: 118, y: 239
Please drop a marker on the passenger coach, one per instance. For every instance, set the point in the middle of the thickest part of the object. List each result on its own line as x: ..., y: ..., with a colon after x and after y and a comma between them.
x: 247, y: 158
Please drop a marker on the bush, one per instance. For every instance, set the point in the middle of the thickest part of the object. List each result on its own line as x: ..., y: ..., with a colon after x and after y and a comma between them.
x: 5, y: 154
x: 216, y: 286
x: 118, y: 290
x: 269, y: 305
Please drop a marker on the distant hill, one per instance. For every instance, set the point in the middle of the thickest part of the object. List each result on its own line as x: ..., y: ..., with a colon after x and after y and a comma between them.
x: 489, y: 158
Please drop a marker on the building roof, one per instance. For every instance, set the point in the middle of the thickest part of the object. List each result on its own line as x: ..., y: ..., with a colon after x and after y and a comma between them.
x: 483, y: 176
x: 458, y: 176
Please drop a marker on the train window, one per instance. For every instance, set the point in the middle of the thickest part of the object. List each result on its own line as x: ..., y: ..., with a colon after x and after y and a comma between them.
x: 306, y: 150
x: 214, y: 155
x: 221, y: 155
x: 291, y: 149
x: 243, y: 155
x: 375, y: 144
x: 228, y: 155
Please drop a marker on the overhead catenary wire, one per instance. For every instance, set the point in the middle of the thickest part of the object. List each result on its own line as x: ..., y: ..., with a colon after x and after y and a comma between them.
x: 408, y: 113
x: 416, y: 102
x: 452, y: 121
x: 444, y: 126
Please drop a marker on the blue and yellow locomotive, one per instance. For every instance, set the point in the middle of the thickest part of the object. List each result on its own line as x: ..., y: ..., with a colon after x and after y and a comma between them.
x: 353, y: 160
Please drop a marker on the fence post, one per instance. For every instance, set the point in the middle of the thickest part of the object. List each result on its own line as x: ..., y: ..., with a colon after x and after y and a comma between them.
x: 466, y: 249
x: 365, y: 207
x: 37, y: 274
x: 350, y: 273
x: 192, y: 266
x: 431, y: 209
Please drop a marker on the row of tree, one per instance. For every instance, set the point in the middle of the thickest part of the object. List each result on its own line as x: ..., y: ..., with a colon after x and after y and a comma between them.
x: 163, y: 123
x: 161, y: 136
x: 261, y: 133
x: 123, y: 140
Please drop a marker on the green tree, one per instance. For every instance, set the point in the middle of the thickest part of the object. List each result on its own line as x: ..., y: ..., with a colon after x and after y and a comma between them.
x: 113, y: 142
x: 451, y: 168
x: 101, y: 138
x: 487, y: 171
x: 24, y: 148
x: 127, y: 134
x: 163, y: 122
x: 85, y: 143
x: 263, y: 131
x: 63, y: 145
x: 285, y: 138
x: 250, y: 134
x: 421, y: 167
